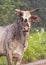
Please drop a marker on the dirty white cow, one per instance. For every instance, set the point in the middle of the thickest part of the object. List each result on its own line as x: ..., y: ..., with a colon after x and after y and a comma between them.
x: 13, y: 37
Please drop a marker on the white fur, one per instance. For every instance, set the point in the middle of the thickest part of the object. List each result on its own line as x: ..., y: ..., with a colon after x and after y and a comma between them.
x: 26, y: 15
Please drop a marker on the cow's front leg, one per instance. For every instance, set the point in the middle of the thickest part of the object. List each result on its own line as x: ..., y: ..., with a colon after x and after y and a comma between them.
x: 9, y: 58
x: 18, y: 61
x: 8, y: 52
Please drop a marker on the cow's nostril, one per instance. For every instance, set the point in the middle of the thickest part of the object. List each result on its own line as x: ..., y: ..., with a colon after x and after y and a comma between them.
x: 24, y: 28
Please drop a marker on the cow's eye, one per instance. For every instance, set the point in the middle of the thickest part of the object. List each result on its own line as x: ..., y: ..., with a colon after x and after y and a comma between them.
x: 21, y: 19
x: 21, y: 14
x: 25, y: 20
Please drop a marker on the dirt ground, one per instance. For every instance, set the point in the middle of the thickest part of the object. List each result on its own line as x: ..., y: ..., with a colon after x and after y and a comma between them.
x: 39, y: 62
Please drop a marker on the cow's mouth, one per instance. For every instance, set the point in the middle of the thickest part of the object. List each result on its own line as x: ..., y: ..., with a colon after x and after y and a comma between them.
x: 25, y: 31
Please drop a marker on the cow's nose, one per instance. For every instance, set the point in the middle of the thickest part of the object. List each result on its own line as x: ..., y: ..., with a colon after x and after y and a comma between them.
x: 26, y: 29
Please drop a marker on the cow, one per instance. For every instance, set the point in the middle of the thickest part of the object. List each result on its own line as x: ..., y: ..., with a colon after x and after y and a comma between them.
x: 13, y: 37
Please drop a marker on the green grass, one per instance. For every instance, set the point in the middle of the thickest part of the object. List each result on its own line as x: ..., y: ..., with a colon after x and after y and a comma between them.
x: 3, y: 60
x: 36, y: 48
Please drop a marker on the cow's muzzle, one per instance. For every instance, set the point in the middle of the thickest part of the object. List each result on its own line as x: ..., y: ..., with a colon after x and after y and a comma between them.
x: 26, y: 29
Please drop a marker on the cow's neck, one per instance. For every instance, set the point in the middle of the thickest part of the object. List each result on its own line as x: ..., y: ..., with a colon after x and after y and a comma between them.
x: 21, y: 33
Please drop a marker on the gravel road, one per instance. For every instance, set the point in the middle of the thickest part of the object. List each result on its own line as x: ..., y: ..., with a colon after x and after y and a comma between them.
x: 39, y: 62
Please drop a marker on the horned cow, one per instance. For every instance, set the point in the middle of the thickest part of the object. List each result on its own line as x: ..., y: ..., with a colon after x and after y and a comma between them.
x: 13, y: 37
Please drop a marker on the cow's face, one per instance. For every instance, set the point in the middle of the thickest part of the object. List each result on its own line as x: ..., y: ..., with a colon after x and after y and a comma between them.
x: 25, y: 21
x: 26, y: 18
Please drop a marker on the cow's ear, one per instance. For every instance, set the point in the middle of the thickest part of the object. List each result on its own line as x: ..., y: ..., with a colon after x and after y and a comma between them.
x: 19, y: 12
x: 34, y: 10
x: 35, y: 18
